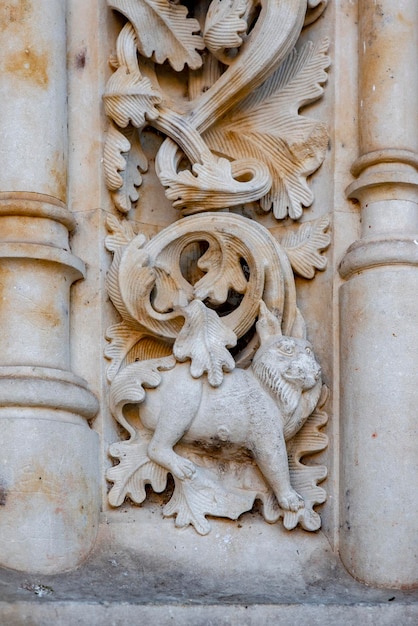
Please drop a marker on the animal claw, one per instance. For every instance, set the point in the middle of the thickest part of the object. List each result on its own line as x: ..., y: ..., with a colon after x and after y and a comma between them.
x: 184, y: 469
x: 291, y: 501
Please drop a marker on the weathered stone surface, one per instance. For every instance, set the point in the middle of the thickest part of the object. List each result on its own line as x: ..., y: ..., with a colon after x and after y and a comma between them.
x: 240, y: 574
x: 210, y: 111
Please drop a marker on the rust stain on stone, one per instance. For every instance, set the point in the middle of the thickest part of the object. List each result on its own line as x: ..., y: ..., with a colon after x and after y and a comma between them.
x: 29, y: 65
x: 14, y: 13
x: 58, y: 175
x: 35, y: 480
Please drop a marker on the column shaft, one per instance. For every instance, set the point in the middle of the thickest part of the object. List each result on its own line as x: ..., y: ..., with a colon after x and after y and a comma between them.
x: 49, y: 492
x: 378, y: 311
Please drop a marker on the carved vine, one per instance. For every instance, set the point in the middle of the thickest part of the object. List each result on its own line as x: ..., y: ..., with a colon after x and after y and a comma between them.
x: 211, y: 347
x: 239, y: 125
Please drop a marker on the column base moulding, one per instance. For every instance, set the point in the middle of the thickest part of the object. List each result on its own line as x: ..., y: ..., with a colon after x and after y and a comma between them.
x: 388, y: 155
x: 366, y: 254
x: 49, y: 490
x: 35, y: 251
x: 49, y: 467
x: 32, y: 204
x: 46, y: 388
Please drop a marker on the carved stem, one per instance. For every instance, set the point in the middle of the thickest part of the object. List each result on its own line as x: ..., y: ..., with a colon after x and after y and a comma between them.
x: 276, y: 32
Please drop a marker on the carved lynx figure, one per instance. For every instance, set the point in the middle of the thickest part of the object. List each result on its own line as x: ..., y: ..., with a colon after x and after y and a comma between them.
x: 258, y: 409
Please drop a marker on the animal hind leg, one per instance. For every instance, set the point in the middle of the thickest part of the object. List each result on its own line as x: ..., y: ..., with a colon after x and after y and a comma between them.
x: 269, y: 449
x: 174, y: 420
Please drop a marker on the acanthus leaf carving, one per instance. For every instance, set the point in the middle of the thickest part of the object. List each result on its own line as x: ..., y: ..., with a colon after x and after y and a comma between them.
x: 267, y: 126
x: 176, y: 41
x: 224, y: 26
x: 304, y: 246
x: 211, y: 353
x: 130, y: 97
x: 122, y: 338
x: 116, y: 146
x: 124, y: 162
x: 270, y: 167
x: 129, y: 385
x: 215, y: 183
x: 121, y: 233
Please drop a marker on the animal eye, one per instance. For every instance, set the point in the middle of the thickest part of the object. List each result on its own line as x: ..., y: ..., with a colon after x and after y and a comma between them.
x: 308, y: 351
x: 286, y: 349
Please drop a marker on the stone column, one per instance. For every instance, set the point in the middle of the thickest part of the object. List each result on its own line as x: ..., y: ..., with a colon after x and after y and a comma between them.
x: 49, y: 496
x: 379, y: 329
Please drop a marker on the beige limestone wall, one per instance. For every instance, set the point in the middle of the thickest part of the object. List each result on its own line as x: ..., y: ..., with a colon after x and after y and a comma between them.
x: 359, y: 122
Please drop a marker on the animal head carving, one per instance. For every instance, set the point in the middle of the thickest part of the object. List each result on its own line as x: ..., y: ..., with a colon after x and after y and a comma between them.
x: 285, y: 365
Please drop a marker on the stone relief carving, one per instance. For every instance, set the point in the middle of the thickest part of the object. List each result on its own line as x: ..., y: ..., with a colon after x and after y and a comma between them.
x: 210, y: 370
x: 239, y: 125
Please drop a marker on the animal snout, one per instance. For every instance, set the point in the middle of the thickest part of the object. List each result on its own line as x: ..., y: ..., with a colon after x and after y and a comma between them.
x: 295, y: 372
x: 304, y: 372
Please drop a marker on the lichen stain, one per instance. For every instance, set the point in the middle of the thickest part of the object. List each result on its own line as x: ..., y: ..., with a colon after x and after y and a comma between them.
x: 29, y: 65
x: 14, y: 13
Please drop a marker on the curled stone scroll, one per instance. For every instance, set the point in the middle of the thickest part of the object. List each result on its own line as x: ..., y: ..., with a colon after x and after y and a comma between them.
x: 212, y: 348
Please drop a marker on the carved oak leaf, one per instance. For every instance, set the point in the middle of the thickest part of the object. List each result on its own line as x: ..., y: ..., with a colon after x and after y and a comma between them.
x: 130, y: 97
x: 223, y: 26
x: 123, y: 162
x: 121, y: 233
x: 224, y: 271
x: 203, y: 495
x: 203, y: 339
x: 266, y: 126
x: 134, y: 471
x: 303, y: 247
x: 164, y: 32
x: 128, y: 387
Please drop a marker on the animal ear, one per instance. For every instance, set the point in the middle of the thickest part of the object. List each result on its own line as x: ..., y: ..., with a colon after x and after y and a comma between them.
x: 268, y: 324
x: 299, y: 326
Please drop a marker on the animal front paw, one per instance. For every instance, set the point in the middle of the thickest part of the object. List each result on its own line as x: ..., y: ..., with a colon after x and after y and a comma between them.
x: 183, y: 468
x: 291, y: 501
x: 178, y: 466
